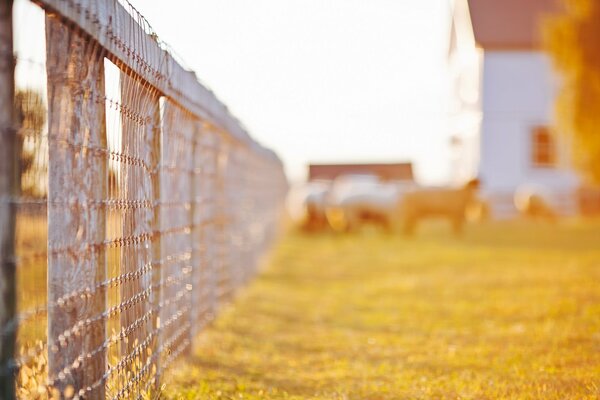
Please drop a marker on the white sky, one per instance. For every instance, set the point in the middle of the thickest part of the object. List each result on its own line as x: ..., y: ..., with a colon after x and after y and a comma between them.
x: 322, y: 80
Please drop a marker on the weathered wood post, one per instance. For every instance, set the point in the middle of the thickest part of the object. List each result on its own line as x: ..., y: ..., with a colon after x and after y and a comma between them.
x: 236, y: 194
x: 77, y: 170
x: 156, y: 257
x: 203, y: 211
x: 197, y: 263
x: 222, y: 226
x: 209, y: 164
x: 210, y: 232
x: 179, y: 128
x: 140, y: 141
x: 9, y: 189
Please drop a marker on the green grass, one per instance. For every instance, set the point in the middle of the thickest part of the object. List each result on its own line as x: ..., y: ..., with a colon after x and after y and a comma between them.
x: 510, y: 310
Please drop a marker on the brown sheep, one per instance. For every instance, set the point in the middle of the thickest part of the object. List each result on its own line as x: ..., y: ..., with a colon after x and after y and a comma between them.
x: 438, y: 202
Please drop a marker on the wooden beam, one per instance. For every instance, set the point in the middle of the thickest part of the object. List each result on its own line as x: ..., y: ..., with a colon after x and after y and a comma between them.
x: 78, y: 178
x: 9, y: 189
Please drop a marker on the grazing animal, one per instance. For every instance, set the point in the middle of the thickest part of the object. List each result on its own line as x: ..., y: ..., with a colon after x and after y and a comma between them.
x: 378, y: 206
x: 315, y: 215
x: 479, y: 210
x: 355, y: 211
x: 438, y: 202
x: 533, y: 202
x: 306, y: 205
x: 314, y: 207
x: 356, y: 200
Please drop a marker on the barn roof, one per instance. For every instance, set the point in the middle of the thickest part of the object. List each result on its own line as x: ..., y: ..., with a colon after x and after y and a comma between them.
x: 386, y: 171
x: 509, y: 24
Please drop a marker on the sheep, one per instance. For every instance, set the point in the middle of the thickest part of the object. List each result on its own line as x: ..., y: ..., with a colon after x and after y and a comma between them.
x: 354, y: 211
x: 479, y: 210
x: 357, y: 199
x: 441, y: 202
x: 377, y: 204
x: 314, y: 207
x: 534, y: 202
x: 306, y: 205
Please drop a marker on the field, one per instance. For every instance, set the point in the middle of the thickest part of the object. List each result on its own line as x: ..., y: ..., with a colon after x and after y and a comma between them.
x: 510, y: 310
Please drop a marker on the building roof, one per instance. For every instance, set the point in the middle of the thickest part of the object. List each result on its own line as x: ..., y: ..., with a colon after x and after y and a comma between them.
x: 510, y: 24
x: 391, y: 171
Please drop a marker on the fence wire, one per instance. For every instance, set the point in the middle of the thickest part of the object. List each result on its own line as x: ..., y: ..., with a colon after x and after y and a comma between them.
x: 133, y: 209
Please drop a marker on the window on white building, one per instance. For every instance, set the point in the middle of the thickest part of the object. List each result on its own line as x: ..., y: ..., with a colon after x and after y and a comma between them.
x: 543, y: 147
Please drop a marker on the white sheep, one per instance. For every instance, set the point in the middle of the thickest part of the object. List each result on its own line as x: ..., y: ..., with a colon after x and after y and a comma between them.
x: 534, y: 201
x: 306, y: 205
x: 356, y: 200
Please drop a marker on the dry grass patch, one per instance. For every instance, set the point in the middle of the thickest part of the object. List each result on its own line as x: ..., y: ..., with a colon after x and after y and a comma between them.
x: 511, y: 310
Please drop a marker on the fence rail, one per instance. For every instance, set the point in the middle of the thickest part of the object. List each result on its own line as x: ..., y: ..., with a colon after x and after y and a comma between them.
x: 132, y: 203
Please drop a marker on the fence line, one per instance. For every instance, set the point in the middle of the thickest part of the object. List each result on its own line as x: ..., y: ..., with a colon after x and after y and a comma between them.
x: 135, y: 206
x: 8, y: 190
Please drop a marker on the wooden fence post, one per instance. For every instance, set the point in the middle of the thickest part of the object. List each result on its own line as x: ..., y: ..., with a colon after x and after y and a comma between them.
x: 223, y: 220
x: 9, y: 189
x: 203, y: 210
x: 140, y: 182
x: 157, y: 253
x: 197, y: 263
x: 209, y: 229
x: 77, y: 173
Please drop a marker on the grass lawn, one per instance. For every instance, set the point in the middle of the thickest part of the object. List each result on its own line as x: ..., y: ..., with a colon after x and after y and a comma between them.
x: 511, y: 310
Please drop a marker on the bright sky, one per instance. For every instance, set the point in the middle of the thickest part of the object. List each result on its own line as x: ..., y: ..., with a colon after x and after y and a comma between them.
x: 322, y: 80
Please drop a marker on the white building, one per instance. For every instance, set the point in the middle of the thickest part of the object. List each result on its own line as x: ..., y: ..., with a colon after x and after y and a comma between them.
x: 503, y: 91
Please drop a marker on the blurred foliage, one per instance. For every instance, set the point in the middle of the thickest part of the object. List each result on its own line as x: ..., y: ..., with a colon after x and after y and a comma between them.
x: 31, y: 113
x: 573, y: 40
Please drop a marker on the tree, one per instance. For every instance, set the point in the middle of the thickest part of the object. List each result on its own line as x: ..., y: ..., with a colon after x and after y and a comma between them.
x: 573, y: 41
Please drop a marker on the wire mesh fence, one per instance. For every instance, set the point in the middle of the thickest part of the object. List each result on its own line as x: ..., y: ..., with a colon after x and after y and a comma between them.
x: 132, y: 204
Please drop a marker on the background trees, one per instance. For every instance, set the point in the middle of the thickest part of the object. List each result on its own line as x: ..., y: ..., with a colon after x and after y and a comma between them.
x: 573, y: 40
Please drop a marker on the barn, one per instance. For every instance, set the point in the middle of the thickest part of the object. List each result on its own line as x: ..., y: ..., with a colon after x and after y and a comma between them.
x: 402, y: 171
x: 502, y: 101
